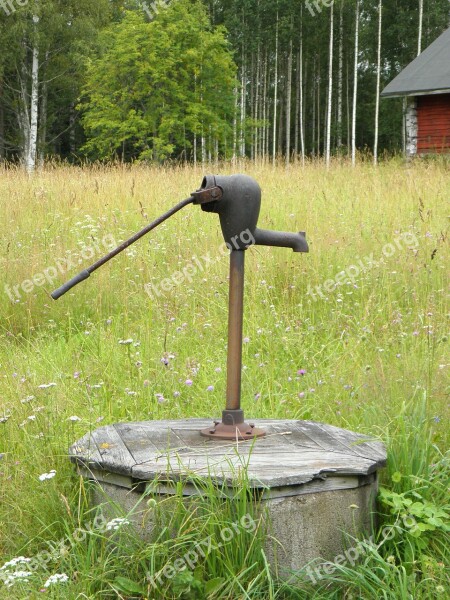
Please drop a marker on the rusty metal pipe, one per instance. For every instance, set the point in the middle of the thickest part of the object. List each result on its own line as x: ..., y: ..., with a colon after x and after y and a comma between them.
x: 235, y: 325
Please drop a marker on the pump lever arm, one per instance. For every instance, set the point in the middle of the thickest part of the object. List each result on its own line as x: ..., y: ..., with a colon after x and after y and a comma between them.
x: 123, y: 246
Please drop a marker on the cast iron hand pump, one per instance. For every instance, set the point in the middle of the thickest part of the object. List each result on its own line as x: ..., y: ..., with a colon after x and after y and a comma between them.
x: 237, y: 201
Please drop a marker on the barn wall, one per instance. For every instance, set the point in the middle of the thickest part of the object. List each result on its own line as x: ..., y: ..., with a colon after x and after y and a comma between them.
x: 433, y: 120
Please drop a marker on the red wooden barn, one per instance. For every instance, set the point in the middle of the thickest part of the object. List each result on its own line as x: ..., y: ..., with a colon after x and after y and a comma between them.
x: 425, y: 83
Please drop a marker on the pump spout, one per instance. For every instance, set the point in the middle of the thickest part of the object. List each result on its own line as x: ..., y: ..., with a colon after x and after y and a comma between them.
x: 282, y: 239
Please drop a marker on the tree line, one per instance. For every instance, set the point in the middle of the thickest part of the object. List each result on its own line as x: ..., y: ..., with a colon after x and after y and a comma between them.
x: 201, y: 80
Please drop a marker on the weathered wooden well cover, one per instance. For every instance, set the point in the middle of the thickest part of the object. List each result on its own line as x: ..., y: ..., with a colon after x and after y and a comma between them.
x: 293, y: 453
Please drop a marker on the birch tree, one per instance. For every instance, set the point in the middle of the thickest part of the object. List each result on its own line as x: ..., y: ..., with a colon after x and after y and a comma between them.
x: 340, y: 75
x: 377, y: 97
x: 330, y: 88
x: 419, y: 40
x: 275, y: 95
x: 355, y: 84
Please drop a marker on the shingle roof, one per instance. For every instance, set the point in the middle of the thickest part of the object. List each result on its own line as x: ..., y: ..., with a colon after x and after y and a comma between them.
x: 429, y: 72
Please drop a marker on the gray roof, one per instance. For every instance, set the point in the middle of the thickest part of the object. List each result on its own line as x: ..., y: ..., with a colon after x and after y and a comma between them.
x: 428, y: 73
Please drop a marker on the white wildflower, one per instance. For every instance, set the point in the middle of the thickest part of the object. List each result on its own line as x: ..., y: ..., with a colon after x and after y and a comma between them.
x: 57, y: 578
x: 45, y: 386
x: 27, y: 399
x: 45, y: 476
x: 116, y: 523
x: 126, y: 342
x: 74, y: 418
x: 11, y: 578
x: 15, y: 561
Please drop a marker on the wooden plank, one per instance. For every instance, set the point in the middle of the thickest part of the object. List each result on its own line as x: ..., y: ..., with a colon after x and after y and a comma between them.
x: 115, y: 456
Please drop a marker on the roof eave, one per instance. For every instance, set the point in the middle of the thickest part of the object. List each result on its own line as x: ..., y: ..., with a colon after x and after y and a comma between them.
x: 414, y: 93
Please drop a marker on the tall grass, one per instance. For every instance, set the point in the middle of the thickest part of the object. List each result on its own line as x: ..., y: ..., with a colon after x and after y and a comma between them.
x: 375, y: 351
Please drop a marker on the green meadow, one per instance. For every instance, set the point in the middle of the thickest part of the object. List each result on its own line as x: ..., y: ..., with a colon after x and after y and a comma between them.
x: 354, y: 334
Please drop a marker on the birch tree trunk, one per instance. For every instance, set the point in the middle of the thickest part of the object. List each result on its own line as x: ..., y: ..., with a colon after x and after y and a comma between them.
x: 419, y: 41
x: 275, y: 98
x: 297, y: 107
x: 235, y: 92
x: 330, y: 89
x: 43, y: 119
x: 30, y: 159
x: 314, y: 110
x: 289, y: 104
x: 340, y: 75
x: 43, y: 125
x: 257, y: 101
x: 264, y: 110
x: 302, y: 107
x: 377, y: 99
x: 2, y: 125
x: 355, y: 84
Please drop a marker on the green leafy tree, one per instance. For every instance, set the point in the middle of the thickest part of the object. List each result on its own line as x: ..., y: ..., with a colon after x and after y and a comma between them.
x: 159, y: 87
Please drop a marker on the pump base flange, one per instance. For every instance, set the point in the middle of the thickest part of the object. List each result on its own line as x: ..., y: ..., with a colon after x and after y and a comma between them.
x: 237, y: 432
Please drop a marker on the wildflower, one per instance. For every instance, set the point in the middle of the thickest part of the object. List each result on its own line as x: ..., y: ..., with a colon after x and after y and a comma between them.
x: 218, y: 370
x: 77, y: 374
x: 74, y: 419
x: 57, y: 578
x: 11, y: 578
x: 45, y: 476
x: 146, y: 383
x: 210, y: 388
x: 176, y: 394
x: 27, y: 399
x: 45, y: 386
x: 116, y: 523
x: 246, y: 340
x: 301, y: 372
x: 257, y: 396
x: 32, y: 418
x: 126, y: 342
x: 15, y: 561
x: 301, y: 395
x: 188, y: 382
x: 160, y: 398
x: 436, y: 419
x: 165, y: 361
